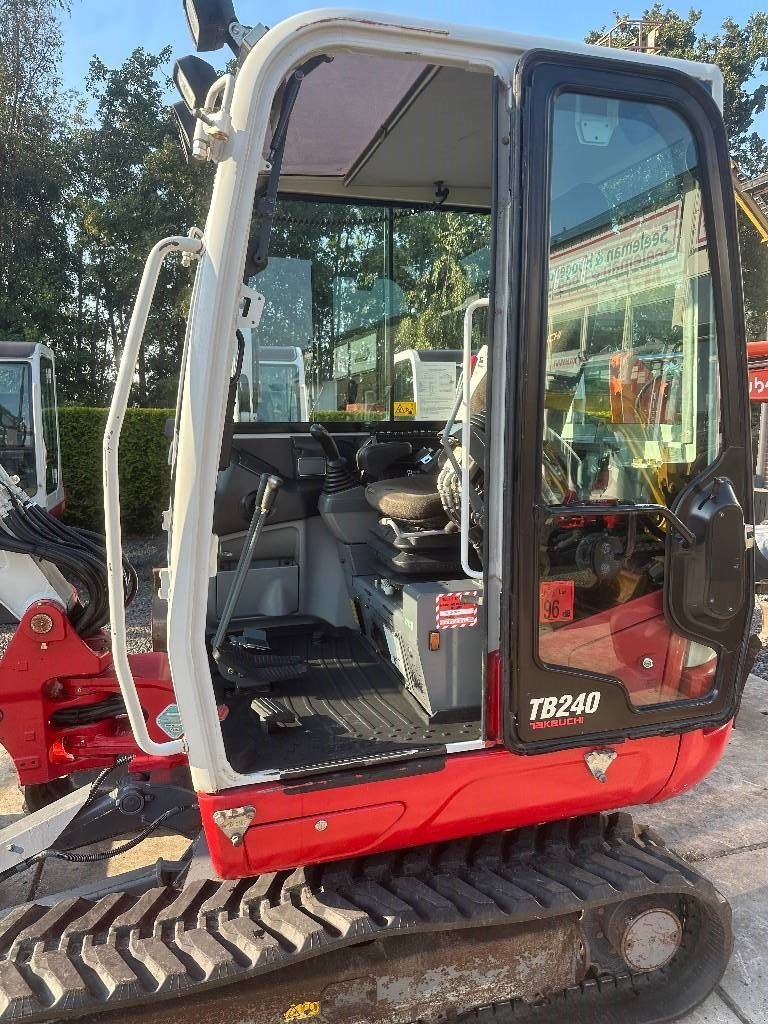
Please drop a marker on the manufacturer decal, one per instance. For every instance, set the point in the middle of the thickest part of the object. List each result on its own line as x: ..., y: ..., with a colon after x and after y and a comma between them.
x: 556, y: 601
x: 557, y: 712
x: 169, y: 720
x: 454, y: 611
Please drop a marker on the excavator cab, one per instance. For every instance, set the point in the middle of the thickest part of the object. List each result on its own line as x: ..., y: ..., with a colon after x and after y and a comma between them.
x: 552, y: 553
x: 417, y: 651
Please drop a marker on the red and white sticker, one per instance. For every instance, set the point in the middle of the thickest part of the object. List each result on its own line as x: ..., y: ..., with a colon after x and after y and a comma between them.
x: 454, y: 611
x: 556, y: 601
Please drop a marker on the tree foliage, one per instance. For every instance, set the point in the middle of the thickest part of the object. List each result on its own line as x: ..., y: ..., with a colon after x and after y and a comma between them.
x: 34, y: 171
x: 741, y: 53
x: 89, y: 182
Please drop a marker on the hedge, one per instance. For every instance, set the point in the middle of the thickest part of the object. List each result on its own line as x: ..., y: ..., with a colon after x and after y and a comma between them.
x: 144, y: 473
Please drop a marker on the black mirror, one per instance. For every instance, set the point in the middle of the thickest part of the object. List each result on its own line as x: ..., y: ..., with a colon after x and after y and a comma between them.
x: 209, y: 22
x: 193, y: 77
x: 185, y: 125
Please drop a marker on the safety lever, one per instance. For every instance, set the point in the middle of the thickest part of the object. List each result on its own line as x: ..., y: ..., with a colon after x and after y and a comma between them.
x: 266, y: 495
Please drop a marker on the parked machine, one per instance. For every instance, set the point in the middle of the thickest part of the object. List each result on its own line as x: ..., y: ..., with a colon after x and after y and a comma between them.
x: 29, y: 423
x: 413, y: 665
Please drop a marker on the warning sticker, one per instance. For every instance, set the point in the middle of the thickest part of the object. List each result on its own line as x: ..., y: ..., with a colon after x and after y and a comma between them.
x: 405, y: 408
x: 454, y: 611
x: 302, y: 1011
x: 169, y: 720
x: 556, y: 601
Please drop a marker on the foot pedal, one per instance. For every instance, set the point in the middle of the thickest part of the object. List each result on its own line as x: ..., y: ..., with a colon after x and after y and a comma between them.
x: 247, y: 664
x: 274, y: 714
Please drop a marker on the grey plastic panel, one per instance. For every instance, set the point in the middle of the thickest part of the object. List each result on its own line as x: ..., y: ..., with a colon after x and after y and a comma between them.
x: 400, y: 621
x: 268, y: 590
x: 348, y: 515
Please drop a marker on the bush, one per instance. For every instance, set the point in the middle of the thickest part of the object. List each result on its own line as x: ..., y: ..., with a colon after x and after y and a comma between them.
x: 144, y: 473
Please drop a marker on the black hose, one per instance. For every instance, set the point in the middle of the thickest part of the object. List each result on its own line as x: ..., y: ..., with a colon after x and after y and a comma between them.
x: 73, y: 550
x: 81, y: 617
x: 93, y: 542
x: 84, y: 564
x: 87, y: 714
x: 96, y: 856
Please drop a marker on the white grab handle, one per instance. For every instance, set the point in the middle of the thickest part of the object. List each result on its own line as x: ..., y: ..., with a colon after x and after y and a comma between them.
x: 465, y: 437
x: 113, y: 533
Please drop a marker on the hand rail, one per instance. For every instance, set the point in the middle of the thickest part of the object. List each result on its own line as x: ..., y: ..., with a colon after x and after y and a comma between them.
x: 465, y: 437
x: 619, y: 508
x: 113, y: 534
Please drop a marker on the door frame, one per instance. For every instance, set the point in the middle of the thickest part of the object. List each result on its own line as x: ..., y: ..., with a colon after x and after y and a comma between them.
x: 541, y: 75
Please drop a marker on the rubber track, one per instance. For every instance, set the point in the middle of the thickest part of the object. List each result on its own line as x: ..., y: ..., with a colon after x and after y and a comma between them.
x: 81, y: 956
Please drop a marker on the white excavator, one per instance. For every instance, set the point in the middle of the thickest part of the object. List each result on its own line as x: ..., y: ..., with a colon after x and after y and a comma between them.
x: 29, y: 422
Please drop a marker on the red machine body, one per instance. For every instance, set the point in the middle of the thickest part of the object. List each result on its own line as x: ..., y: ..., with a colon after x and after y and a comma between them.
x: 757, y: 370
x: 347, y: 814
x: 49, y: 669
x: 431, y: 801
x: 485, y: 790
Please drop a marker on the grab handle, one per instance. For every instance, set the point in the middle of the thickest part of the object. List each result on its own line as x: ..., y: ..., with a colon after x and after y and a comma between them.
x: 111, y: 446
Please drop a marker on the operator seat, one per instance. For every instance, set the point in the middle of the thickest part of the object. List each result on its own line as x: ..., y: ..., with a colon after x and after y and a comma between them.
x: 413, y: 501
x: 413, y: 536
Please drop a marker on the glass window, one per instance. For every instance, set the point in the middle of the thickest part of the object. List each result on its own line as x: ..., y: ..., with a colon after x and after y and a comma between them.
x: 50, y: 424
x: 632, y: 401
x: 358, y: 297
x: 17, y: 438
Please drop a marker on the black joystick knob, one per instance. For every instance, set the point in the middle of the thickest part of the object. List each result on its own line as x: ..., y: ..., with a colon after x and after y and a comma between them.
x: 338, y: 476
x: 326, y: 442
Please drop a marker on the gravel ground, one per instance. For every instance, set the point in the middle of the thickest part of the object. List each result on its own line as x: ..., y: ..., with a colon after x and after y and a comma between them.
x: 144, y: 554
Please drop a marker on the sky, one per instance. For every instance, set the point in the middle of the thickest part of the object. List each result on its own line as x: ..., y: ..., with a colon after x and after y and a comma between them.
x: 113, y: 28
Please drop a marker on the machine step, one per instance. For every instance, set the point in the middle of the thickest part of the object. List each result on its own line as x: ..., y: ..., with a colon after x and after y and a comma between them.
x: 558, y: 913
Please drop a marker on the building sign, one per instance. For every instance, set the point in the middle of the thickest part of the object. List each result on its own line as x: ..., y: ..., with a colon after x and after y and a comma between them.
x: 642, y: 248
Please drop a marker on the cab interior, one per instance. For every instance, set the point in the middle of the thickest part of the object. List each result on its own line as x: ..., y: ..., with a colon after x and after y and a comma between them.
x: 357, y: 637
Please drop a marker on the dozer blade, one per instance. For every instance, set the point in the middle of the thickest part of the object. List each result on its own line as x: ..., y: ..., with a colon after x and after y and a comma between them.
x: 585, y: 917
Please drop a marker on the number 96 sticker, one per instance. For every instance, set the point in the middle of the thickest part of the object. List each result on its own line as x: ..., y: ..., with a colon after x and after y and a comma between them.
x: 556, y: 601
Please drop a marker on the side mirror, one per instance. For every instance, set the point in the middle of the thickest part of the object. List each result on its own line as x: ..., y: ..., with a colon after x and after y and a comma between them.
x: 209, y: 22
x: 185, y: 125
x: 193, y: 77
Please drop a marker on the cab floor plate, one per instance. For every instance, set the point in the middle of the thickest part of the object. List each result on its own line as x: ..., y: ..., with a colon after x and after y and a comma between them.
x: 349, y: 705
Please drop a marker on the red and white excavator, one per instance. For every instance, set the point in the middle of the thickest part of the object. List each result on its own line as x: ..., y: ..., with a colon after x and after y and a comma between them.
x: 412, y: 667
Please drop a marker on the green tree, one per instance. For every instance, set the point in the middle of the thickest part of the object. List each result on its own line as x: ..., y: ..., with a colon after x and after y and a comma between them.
x: 741, y: 53
x: 35, y: 264
x: 133, y: 188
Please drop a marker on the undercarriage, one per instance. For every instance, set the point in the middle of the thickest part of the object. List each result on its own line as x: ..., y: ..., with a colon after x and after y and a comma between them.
x: 591, y: 916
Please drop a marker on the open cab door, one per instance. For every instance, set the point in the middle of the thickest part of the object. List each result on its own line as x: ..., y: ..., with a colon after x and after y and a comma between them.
x: 632, y: 598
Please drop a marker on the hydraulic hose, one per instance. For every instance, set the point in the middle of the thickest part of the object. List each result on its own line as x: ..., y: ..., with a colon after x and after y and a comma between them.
x: 79, y: 553
x: 89, y: 568
x: 81, y: 617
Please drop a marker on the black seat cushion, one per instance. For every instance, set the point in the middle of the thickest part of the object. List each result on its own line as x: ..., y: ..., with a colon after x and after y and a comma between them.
x: 409, y: 499
x: 439, y: 563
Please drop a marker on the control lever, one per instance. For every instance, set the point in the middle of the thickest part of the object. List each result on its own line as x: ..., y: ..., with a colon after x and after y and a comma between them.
x: 265, y: 500
x: 338, y: 476
x: 326, y: 442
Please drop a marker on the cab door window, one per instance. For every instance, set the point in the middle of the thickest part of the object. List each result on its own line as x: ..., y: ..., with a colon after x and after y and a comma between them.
x: 632, y: 404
